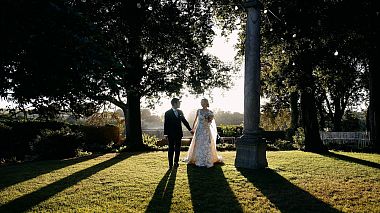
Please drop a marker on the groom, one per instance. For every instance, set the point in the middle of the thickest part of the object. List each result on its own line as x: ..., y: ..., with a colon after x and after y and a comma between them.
x: 173, y: 130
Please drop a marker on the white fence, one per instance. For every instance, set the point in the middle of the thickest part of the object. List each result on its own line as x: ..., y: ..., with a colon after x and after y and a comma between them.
x: 358, y: 140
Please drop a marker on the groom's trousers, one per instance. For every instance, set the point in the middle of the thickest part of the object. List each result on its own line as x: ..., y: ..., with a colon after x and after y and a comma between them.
x: 174, y: 148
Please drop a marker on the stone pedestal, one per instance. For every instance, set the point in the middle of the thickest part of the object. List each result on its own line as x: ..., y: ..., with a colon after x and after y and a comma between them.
x: 251, y: 152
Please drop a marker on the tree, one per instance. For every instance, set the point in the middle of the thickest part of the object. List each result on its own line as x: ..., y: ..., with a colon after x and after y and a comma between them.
x: 293, y: 33
x: 273, y: 119
x: 357, y: 24
x: 49, y: 57
x: 160, y: 47
x: 228, y: 118
x: 340, y: 84
x: 365, y: 26
x: 310, y: 35
x: 150, y: 120
x: 108, y: 51
x: 354, y: 121
x: 298, y: 37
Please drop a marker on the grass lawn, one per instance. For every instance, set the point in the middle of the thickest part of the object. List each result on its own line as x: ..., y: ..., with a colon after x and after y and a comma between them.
x: 140, y: 182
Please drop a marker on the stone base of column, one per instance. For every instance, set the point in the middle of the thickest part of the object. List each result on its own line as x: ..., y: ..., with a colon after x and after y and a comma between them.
x: 251, y: 152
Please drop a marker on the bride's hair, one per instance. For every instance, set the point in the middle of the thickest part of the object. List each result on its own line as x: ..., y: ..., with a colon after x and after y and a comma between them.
x: 206, y: 101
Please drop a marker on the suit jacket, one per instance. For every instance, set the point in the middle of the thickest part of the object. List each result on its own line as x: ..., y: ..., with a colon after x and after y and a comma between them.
x: 172, y: 123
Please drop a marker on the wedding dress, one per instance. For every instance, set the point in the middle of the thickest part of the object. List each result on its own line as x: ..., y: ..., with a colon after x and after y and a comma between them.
x: 202, y: 149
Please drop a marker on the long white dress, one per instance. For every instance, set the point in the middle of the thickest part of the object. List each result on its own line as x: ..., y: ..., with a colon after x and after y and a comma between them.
x: 202, y: 150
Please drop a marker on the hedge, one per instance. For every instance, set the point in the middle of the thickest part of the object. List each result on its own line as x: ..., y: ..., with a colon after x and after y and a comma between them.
x: 17, y: 138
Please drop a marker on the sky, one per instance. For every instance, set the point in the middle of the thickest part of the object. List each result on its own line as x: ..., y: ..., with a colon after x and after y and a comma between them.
x: 220, y: 100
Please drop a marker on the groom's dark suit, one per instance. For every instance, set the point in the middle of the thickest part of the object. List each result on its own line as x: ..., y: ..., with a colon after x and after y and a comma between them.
x: 173, y: 129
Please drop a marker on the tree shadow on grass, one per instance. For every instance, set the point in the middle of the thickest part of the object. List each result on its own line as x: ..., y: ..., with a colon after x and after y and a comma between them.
x: 162, y: 198
x: 210, y: 191
x: 27, y: 201
x: 14, y: 174
x: 352, y: 160
x: 286, y: 196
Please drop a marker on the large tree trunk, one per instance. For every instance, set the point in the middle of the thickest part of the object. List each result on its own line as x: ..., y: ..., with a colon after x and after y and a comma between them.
x: 373, y: 116
x: 321, y: 112
x: 338, y: 115
x: 133, y: 123
x: 294, y: 110
x: 313, y: 142
x: 322, y: 118
x: 374, y: 69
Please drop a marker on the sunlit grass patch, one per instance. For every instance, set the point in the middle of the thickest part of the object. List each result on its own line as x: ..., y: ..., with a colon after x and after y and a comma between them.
x: 141, y: 182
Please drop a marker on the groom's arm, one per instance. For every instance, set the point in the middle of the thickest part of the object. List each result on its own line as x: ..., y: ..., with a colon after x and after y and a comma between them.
x: 166, y: 123
x: 184, y: 121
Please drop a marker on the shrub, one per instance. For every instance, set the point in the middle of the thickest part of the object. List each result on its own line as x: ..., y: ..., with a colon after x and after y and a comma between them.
x: 151, y: 142
x: 17, y: 138
x: 273, y: 136
x: 230, y: 130
x: 57, y: 144
x: 6, y: 146
x: 99, y: 138
x: 284, y: 145
x: 24, y: 133
x: 299, y: 138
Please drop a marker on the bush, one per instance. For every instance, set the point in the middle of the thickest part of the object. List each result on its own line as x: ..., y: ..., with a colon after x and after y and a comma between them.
x: 99, y: 138
x: 273, y: 136
x: 150, y: 142
x: 24, y: 133
x: 17, y: 138
x: 284, y: 145
x: 299, y: 138
x: 7, y: 150
x: 230, y: 130
x: 57, y: 144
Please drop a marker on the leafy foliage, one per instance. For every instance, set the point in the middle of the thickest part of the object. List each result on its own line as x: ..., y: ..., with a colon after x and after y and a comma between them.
x: 319, y: 49
x: 47, y: 57
x: 22, y: 139
x: 160, y: 47
x: 57, y: 144
x: 299, y: 138
x: 230, y: 130
x: 91, y: 52
x: 272, y: 119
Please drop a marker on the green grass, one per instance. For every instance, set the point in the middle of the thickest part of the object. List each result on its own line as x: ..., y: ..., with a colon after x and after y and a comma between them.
x: 140, y: 182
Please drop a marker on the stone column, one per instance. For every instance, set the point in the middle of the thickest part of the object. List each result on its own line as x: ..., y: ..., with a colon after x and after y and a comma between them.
x: 251, y: 148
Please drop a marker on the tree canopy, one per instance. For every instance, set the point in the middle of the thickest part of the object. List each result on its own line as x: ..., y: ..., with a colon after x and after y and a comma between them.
x: 318, y: 50
x: 48, y: 51
x: 114, y: 51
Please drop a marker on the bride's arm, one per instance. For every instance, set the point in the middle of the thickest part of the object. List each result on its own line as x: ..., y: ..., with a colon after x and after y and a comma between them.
x: 195, y: 120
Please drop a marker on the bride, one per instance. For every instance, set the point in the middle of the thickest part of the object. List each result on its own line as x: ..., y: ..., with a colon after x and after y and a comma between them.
x: 202, y: 150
